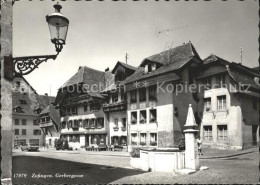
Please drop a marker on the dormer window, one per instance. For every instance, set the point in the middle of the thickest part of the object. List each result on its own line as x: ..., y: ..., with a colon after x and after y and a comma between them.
x: 150, y: 67
x: 37, y: 110
x: 23, y: 102
x: 18, y: 109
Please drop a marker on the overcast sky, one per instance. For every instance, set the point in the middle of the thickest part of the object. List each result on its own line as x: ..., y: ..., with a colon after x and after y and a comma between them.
x: 101, y: 33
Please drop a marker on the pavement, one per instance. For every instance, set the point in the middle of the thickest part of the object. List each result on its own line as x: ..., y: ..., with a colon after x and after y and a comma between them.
x: 107, y: 169
x: 207, y: 153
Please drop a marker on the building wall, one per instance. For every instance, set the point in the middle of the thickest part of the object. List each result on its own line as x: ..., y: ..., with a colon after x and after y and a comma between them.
x: 51, y: 137
x: 82, y: 131
x: 239, y: 109
x: 6, y: 93
x: 250, y: 117
x: 112, y: 117
x: 164, y: 125
x: 29, y: 130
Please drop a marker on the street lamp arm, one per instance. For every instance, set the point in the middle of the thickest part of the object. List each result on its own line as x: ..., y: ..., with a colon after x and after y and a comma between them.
x: 25, y: 65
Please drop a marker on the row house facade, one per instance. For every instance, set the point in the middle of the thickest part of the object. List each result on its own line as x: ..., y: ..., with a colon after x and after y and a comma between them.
x: 231, y: 105
x: 80, y: 102
x: 115, y: 108
x: 146, y: 106
x: 156, y: 110
x: 49, y: 120
x: 27, y: 105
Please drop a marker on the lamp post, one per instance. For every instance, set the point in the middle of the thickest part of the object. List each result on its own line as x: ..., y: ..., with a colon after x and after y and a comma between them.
x: 17, y: 66
x: 58, y: 26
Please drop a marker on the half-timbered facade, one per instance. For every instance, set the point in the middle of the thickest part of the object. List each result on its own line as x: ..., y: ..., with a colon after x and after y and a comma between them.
x: 80, y: 102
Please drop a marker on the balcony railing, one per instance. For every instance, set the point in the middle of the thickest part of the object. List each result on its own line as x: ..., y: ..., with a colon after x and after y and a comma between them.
x: 111, y: 107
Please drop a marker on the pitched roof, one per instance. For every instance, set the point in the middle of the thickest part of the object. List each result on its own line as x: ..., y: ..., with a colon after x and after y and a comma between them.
x: 240, y: 73
x: 213, y: 58
x: 32, y: 102
x: 125, y: 65
x: 175, y: 54
x: 53, y: 113
x: 86, y: 75
x: 178, y: 57
x: 28, y: 108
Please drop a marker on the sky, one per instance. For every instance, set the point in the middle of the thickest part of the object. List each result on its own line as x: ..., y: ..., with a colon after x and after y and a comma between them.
x: 102, y: 32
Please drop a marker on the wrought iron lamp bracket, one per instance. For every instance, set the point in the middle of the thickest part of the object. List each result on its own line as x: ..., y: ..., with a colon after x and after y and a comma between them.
x: 25, y: 65
x: 19, y: 66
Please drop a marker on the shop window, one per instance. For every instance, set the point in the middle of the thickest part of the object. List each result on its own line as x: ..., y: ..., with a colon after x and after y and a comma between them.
x: 153, y: 139
x: 222, y: 133
x: 153, y: 115
x: 123, y: 140
x: 207, y: 104
x: 222, y: 103
x: 142, y: 116
x: 207, y: 133
x: 143, y: 139
x: 133, y: 117
x: 16, y: 122
x: 134, y: 139
x: 133, y: 96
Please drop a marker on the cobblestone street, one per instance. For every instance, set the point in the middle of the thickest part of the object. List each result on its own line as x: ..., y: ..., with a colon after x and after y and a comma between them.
x: 115, y: 168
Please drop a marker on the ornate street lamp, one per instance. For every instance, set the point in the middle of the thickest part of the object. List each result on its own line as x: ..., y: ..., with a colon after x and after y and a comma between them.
x: 58, y: 25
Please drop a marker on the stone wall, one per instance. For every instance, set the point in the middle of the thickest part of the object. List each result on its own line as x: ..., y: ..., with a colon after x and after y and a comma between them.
x: 6, y: 94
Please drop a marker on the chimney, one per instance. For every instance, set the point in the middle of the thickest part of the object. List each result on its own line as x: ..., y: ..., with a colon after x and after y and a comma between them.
x: 46, y: 94
x: 107, y: 69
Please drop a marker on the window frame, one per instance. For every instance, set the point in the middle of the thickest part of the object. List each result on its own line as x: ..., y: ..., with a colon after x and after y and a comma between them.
x: 207, y: 104
x: 24, y: 132
x: 16, y: 123
x: 224, y: 133
x: 24, y: 122
x: 142, y: 95
x: 207, y: 133
x: 221, y: 106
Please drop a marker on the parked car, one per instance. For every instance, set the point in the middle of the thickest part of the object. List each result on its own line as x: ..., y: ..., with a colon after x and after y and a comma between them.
x: 30, y: 147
